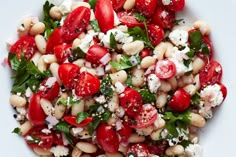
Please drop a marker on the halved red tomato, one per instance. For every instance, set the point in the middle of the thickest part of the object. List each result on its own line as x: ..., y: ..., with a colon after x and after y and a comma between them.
x: 146, y: 7
x: 175, y: 5
x: 210, y: 74
x: 146, y: 117
x: 165, y: 69
x: 157, y: 149
x: 25, y: 45
x: 35, y: 138
x: 131, y: 101
x: 87, y: 84
x: 145, y: 52
x: 72, y: 121
x: 75, y: 23
x: 128, y: 19
x: 137, y: 149
x: 35, y: 112
x: 49, y: 88
x: 124, y: 132
x: 62, y: 52
x: 104, y: 14
x: 67, y: 73
x: 155, y: 34
x: 180, y: 100
x: 107, y: 138
x: 118, y: 4
x: 54, y: 39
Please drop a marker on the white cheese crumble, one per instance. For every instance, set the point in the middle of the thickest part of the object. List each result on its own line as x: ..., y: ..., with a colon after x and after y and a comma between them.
x: 179, y: 37
x: 116, y: 19
x: 193, y: 150
x: 76, y: 131
x: 46, y: 131
x: 50, y: 82
x: 51, y: 121
x: 59, y: 151
x: 56, y: 2
x: 100, y: 99
x: 212, y: 95
x: 65, y: 6
x: 153, y: 83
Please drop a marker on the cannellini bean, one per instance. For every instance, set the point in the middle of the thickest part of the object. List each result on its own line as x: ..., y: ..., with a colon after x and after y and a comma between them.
x: 175, y: 150
x: 25, y: 127
x: 77, y: 108
x: 203, y: 27
x: 54, y: 70
x: 165, y: 86
x: 133, y: 47
x: 84, y: 134
x: 191, y: 89
x: 129, y: 4
x: 17, y: 101
x: 37, y: 28
x: 59, y: 111
x: 87, y: 147
x: 80, y: 62
x: 197, y: 82
x: 137, y: 77
x: 76, y: 152
x: 81, y: 36
x: 76, y: 43
x: 120, y: 76
x: 89, y: 27
x: 24, y: 27
x: 135, y: 138
x: 170, y: 50
x: 118, y: 154
x: 88, y: 102
x: 42, y: 66
x: 161, y: 99
x: 194, y: 138
x: 123, y: 149
x: 47, y: 106
x: 90, y: 70
x: 55, y: 13
x: 160, y: 50
x: 36, y: 57
x: 147, y: 62
x: 198, y: 64
x: 92, y: 15
x: 113, y: 104
x: 155, y: 135
x: 79, y: 4
x: 159, y: 123
x: 173, y: 83
x: 41, y: 43
x: 145, y: 131
x: 112, y: 119
x: 41, y: 151
x: 197, y: 120
x: 185, y: 80
x: 49, y: 58
x: 85, y: 155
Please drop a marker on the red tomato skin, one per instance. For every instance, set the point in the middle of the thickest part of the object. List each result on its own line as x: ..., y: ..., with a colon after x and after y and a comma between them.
x: 155, y: 34
x: 54, y: 39
x: 145, y: 52
x: 223, y: 89
x: 35, y: 112
x: 118, y: 4
x: 176, y: 5
x: 165, y: 69
x: 107, y: 138
x: 87, y: 84
x: 146, y: 7
x: 164, y: 18
x: 180, y: 101
x: 128, y: 19
x: 72, y: 121
x: 46, y: 140
x: 210, y: 74
x: 27, y: 45
x: 95, y: 54
x: 104, y: 15
x: 49, y: 92
x: 75, y: 23
x: 157, y: 149
x: 67, y: 72
x: 137, y: 149
x: 62, y: 52
x: 131, y: 101
x: 124, y: 132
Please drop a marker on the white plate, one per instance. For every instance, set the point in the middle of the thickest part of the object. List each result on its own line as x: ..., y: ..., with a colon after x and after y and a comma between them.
x: 218, y: 138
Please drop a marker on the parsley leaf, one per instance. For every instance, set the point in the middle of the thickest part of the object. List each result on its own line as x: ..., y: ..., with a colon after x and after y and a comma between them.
x: 147, y: 96
x: 125, y: 62
x: 93, y: 125
x: 81, y: 116
x: 196, y: 40
x: 17, y: 131
x: 113, y: 41
x: 92, y: 3
x: 76, y: 54
x: 106, y: 86
x: 129, y: 81
x: 195, y: 99
x: 63, y: 127
x: 140, y: 17
x: 68, y: 101
x: 94, y: 24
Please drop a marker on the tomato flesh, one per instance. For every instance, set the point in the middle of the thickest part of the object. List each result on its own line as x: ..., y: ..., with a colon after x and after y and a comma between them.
x: 107, y: 138
x: 49, y: 88
x: 25, y: 45
x: 54, y: 39
x: 165, y: 69
x: 128, y: 19
x: 155, y: 34
x: 137, y: 149
x: 62, y: 52
x: 175, y: 5
x: 124, y: 132
x: 118, y: 4
x: 146, y: 7
x: 72, y: 121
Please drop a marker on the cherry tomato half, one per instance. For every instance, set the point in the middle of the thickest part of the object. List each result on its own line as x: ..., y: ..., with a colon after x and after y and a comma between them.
x: 137, y: 149
x: 87, y: 84
x: 54, y: 39
x: 180, y: 101
x: 155, y: 34
x: 131, y: 101
x: 107, y: 138
x: 62, y: 52
x: 104, y: 14
x: 75, y: 23
x: 175, y: 5
x: 124, y: 132
x: 72, y: 121
x: 35, y: 112
x: 210, y: 74
x: 157, y: 149
x: 49, y: 88
x: 128, y: 19
x: 165, y: 69
x: 26, y: 45
x: 67, y: 73
x: 118, y: 4
x: 146, y: 7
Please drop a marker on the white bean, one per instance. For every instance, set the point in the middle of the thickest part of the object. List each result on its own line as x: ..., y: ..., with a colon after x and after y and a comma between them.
x: 113, y: 103
x: 36, y: 57
x: 120, y: 76
x: 173, y: 83
x: 17, y: 101
x: 147, y: 62
x: 137, y: 77
x: 25, y: 127
x: 197, y: 120
x: 133, y: 47
x: 41, y: 43
x: 37, y: 28
x: 191, y: 89
x: 55, y: 13
x: 155, y: 135
x: 24, y: 27
x: 198, y: 64
x: 84, y: 134
x: 159, y: 123
x: 90, y: 70
x: 118, y: 154
x: 79, y: 4
x: 197, y: 82
x: 54, y: 70
x: 185, y: 80
x: 165, y: 86
x: 161, y: 99
x: 59, y: 111
x: 42, y: 66
x: 41, y: 151
x: 88, y: 102
x: 76, y: 152
x: 170, y: 50
x: 175, y: 150
x: 112, y: 119
x: 49, y: 58
x: 87, y: 147
x: 76, y: 43
x: 160, y: 50
x: 77, y: 108
x: 79, y: 62
x: 129, y: 4
x: 135, y: 138
x: 47, y: 106
x: 203, y: 27
x: 145, y: 131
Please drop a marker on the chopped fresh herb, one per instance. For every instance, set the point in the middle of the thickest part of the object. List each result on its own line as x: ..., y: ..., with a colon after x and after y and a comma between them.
x: 125, y: 62
x: 195, y: 99
x: 196, y: 40
x: 34, y: 140
x: 177, y: 21
x: 113, y: 41
x: 129, y: 81
x: 185, y: 143
x: 106, y: 86
x: 130, y: 154
x: 17, y: 131
x: 92, y: 3
x: 76, y: 54
x: 63, y: 127
x: 190, y: 54
x: 147, y: 96
x: 93, y: 125
x: 94, y: 24
x: 81, y: 116
x: 106, y: 115
x: 68, y: 101
x: 62, y: 101
x: 70, y: 138
x: 50, y: 23
x: 176, y: 120
x: 140, y: 17
x: 205, y: 49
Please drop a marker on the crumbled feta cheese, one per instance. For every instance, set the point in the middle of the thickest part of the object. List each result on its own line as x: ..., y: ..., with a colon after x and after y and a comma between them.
x: 119, y: 87
x: 120, y: 112
x: 59, y: 151
x: 85, y: 42
x: 51, y: 121
x: 105, y: 59
x: 65, y: 6
x: 153, y: 83
x: 28, y: 92
x: 212, y: 95
x: 193, y: 150
x: 119, y: 125
x: 50, y: 81
x: 100, y: 71
x: 65, y: 140
x: 206, y: 111
x: 76, y: 131
x: 100, y: 99
x: 56, y: 2
x: 179, y: 37
x: 29, y: 138
x: 116, y: 19
x: 46, y: 131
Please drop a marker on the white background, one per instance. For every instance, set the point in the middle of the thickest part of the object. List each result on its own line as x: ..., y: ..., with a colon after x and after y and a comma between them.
x: 218, y: 138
